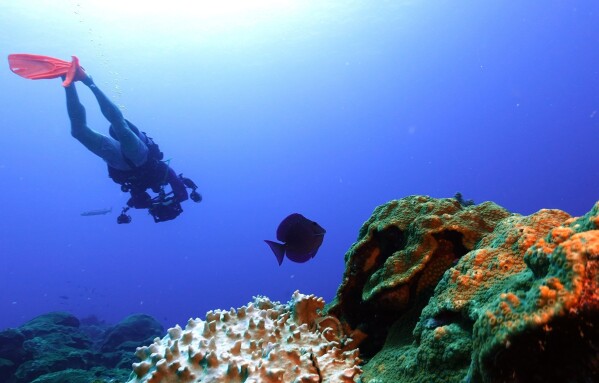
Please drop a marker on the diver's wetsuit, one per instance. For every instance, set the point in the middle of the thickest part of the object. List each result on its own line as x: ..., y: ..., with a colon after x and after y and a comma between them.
x: 110, y: 150
x: 128, y: 149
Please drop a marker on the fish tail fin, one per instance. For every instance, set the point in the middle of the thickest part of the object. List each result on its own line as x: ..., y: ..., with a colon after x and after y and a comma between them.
x: 278, y: 249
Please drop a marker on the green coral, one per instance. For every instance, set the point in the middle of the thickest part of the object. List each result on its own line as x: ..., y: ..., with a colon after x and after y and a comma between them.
x: 527, y: 291
x: 401, y: 252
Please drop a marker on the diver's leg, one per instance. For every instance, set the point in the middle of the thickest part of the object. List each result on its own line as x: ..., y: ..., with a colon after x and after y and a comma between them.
x: 131, y: 145
x: 104, y: 147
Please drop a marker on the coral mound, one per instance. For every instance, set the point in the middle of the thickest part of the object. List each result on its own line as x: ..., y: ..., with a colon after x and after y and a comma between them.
x: 259, y: 343
x: 520, y: 305
x: 401, y: 254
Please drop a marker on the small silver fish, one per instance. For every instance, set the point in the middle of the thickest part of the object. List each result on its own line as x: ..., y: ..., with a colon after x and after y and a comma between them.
x: 96, y: 212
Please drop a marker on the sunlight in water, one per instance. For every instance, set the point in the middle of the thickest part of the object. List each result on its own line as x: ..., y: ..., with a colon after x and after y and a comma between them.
x: 182, y: 20
x: 165, y: 18
x: 177, y: 11
x: 228, y: 8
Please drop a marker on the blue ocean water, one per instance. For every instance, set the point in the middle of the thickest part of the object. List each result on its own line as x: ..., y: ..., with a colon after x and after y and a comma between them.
x: 326, y: 108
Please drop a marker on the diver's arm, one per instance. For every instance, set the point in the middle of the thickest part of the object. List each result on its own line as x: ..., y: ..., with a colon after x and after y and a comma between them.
x: 140, y: 199
x: 179, y: 190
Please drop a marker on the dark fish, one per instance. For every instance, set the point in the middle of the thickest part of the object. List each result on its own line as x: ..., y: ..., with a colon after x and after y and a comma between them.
x: 301, y: 239
x: 464, y: 202
x: 63, y: 297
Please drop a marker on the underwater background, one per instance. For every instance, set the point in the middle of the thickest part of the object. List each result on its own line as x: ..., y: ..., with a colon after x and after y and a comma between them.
x: 325, y: 108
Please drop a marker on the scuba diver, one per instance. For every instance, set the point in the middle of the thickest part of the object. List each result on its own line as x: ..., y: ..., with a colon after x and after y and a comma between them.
x: 134, y: 160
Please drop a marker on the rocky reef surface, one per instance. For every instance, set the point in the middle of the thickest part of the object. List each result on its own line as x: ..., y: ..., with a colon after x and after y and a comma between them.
x: 58, y: 347
x: 434, y: 290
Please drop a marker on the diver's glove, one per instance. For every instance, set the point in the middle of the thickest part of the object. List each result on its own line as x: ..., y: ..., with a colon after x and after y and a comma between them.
x: 194, y: 195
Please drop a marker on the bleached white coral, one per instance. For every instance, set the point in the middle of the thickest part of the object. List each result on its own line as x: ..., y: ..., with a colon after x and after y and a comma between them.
x: 263, y: 342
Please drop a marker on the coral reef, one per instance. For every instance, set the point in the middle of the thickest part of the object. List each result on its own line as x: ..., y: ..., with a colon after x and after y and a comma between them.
x: 545, y: 313
x: 520, y: 304
x: 262, y: 342
x: 400, y: 255
x: 57, y: 347
x: 435, y: 290
x: 129, y: 333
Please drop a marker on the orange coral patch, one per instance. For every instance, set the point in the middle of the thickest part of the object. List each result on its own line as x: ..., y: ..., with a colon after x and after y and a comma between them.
x: 454, y: 275
x: 511, y: 298
x: 505, y: 308
x: 492, y: 318
x: 440, y: 332
x: 555, y: 283
x: 480, y: 258
x: 464, y: 280
x: 434, y: 270
x: 560, y: 234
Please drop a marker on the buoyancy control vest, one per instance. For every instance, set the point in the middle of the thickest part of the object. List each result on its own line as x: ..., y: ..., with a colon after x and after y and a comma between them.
x: 152, y: 174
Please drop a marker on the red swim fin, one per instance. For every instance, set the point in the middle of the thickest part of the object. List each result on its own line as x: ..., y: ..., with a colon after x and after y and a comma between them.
x: 37, y: 67
x: 75, y: 73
